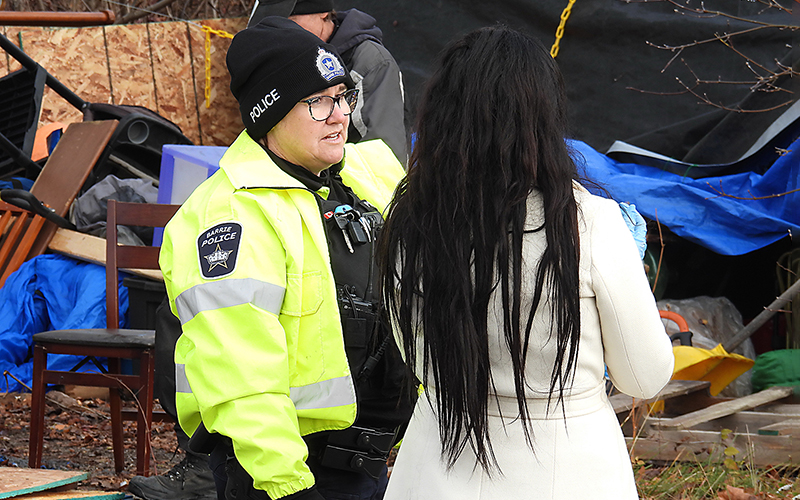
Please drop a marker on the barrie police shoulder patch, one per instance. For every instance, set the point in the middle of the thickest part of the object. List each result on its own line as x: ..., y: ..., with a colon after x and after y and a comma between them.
x: 328, y: 65
x: 218, y: 248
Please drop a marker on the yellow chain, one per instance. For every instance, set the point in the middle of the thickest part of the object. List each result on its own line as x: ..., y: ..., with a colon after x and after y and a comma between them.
x: 560, y: 29
x: 208, y: 31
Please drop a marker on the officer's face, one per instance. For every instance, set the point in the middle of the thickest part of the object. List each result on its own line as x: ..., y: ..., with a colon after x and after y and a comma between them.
x: 313, y: 145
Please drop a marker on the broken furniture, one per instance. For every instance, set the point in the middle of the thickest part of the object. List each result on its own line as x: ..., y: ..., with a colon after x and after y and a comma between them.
x: 21, y: 100
x: 18, y: 229
x: 112, y: 343
x: 133, y: 151
x: 56, y: 187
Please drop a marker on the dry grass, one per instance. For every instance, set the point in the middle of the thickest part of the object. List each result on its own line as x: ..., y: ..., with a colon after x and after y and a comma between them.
x: 690, y: 481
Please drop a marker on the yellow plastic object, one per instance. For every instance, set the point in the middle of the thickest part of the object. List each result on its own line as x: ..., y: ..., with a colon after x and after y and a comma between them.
x: 560, y: 30
x: 716, y: 365
x: 220, y: 33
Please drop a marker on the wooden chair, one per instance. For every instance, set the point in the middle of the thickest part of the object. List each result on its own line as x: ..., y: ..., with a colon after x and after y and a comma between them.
x: 112, y: 343
x: 24, y: 235
x: 18, y: 231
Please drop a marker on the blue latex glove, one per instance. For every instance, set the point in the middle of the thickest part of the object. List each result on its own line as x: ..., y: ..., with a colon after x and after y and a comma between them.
x: 636, y: 225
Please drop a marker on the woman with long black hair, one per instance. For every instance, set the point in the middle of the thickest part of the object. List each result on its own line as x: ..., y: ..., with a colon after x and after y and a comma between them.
x: 511, y: 287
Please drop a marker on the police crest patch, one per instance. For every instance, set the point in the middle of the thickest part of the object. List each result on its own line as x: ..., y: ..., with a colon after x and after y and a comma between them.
x: 328, y: 65
x: 218, y: 248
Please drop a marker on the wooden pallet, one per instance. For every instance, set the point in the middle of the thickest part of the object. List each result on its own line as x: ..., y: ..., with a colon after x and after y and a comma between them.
x: 684, y: 422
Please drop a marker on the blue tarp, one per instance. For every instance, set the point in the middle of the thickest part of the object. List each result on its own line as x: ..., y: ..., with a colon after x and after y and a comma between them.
x: 49, y: 292
x: 730, y: 214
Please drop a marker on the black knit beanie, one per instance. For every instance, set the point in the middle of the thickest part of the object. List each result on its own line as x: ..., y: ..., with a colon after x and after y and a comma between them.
x: 273, y: 65
x: 286, y: 8
x: 312, y: 7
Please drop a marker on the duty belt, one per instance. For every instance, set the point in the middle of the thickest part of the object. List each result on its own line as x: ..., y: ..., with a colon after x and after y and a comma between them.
x: 359, y: 449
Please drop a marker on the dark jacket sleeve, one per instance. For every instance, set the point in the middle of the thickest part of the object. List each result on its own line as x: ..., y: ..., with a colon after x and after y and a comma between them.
x: 380, y: 112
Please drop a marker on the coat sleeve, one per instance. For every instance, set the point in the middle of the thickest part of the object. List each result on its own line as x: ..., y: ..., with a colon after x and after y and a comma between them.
x: 382, y: 112
x: 637, y: 350
x: 237, y: 358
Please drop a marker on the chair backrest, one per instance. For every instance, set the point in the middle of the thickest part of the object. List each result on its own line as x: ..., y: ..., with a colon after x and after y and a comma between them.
x: 129, y: 256
x: 18, y: 231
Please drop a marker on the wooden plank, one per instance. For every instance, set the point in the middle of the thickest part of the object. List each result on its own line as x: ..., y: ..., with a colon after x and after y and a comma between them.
x: 130, y: 66
x: 783, y: 409
x: 675, y: 388
x: 20, y: 481
x: 73, y: 495
x: 174, y: 79
x: 92, y: 249
x: 220, y: 123
x: 704, y: 446
x: 725, y: 408
x: 789, y: 427
x: 743, y: 421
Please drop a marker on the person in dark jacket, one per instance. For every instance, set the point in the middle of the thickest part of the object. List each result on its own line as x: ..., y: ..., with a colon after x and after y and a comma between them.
x: 356, y: 37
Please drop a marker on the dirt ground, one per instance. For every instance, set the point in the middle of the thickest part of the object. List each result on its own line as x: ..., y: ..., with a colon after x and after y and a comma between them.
x: 78, y: 438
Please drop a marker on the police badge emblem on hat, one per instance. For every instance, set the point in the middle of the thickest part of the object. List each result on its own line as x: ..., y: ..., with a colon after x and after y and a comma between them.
x: 328, y: 65
x: 218, y: 248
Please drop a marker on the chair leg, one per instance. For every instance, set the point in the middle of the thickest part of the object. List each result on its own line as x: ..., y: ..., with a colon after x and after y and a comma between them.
x: 144, y: 418
x: 115, y: 406
x: 36, y: 440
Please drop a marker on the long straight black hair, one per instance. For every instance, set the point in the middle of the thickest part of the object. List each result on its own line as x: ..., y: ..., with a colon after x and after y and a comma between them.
x: 490, y: 131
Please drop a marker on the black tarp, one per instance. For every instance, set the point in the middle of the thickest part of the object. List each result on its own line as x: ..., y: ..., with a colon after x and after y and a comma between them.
x: 620, y: 86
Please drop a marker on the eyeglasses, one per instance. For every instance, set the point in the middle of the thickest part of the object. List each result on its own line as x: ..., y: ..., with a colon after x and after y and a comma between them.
x: 321, y: 107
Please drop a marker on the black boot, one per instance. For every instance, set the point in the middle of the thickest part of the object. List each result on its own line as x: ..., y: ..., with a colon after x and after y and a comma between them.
x: 191, y: 479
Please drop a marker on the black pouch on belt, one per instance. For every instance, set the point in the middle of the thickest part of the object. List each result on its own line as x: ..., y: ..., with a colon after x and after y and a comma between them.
x: 358, y: 449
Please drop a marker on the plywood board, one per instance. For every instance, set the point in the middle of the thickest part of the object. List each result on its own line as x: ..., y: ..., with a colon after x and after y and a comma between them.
x: 172, y: 83
x: 3, y: 57
x: 77, y: 58
x: 174, y: 79
x: 130, y: 66
x: 73, y: 495
x: 220, y: 123
x: 19, y: 481
x: 13, y: 34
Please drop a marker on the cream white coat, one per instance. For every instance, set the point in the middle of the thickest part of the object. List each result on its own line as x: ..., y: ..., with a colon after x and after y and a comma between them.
x: 585, y: 455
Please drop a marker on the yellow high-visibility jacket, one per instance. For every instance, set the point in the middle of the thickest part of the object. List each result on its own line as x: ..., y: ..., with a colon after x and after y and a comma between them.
x: 247, y: 269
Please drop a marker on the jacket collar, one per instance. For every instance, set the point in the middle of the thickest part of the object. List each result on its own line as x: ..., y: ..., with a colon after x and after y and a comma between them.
x: 247, y: 165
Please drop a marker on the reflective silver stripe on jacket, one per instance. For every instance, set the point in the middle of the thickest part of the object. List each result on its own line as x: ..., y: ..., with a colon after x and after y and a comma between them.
x: 228, y: 293
x: 181, y: 382
x: 325, y: 394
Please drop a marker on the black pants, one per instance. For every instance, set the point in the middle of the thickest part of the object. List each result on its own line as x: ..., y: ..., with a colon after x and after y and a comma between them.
x: 332, y: 484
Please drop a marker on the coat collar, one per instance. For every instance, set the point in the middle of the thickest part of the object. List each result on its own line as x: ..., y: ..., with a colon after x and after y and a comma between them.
x: 247, y: 165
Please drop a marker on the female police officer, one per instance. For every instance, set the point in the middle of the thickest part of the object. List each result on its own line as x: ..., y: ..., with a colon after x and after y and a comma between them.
x: 268, y: 266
